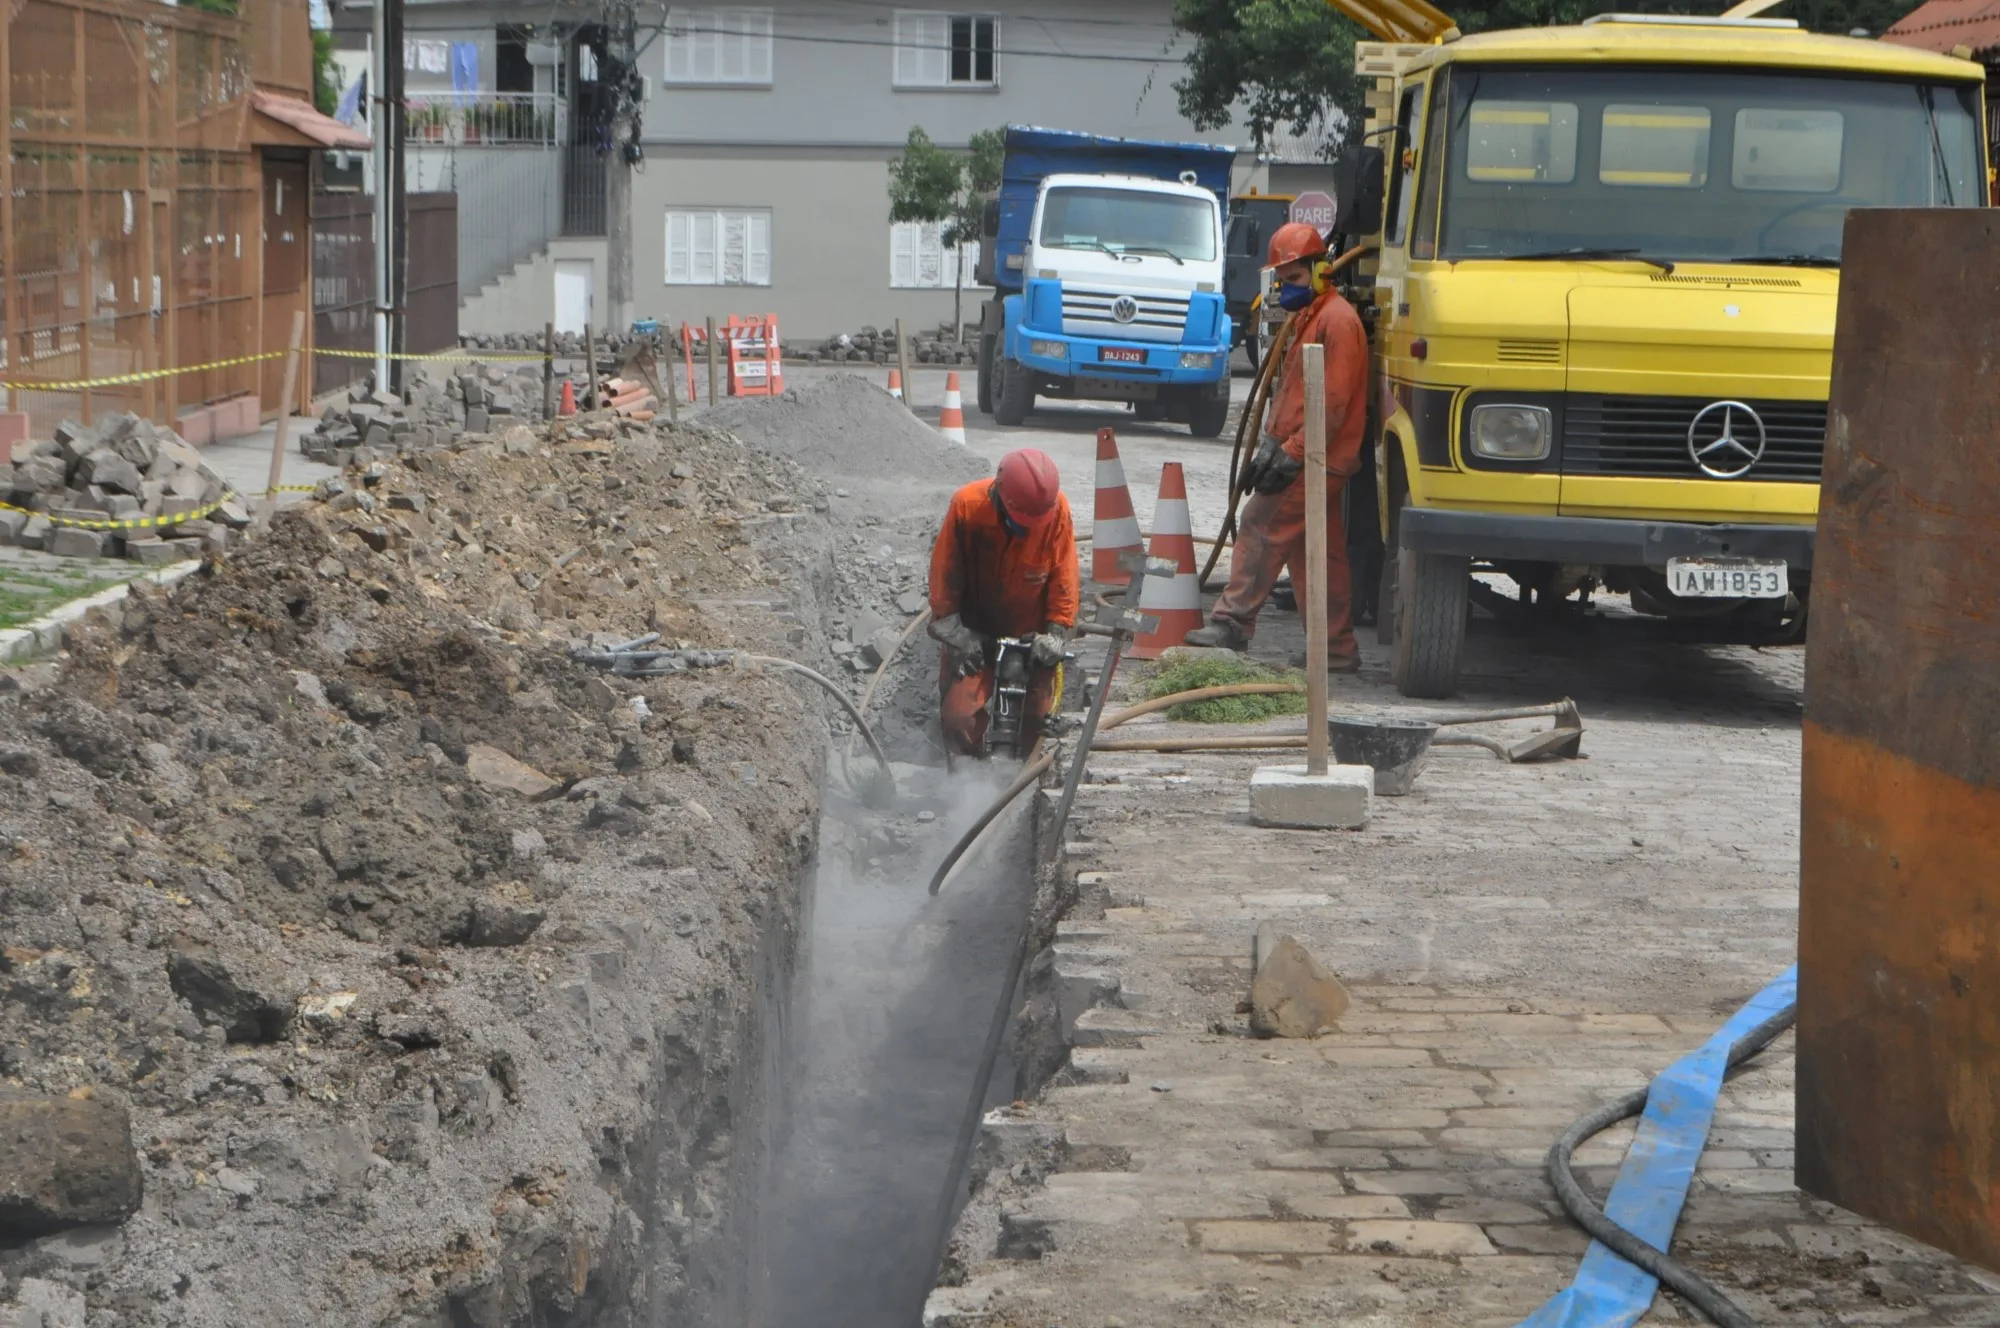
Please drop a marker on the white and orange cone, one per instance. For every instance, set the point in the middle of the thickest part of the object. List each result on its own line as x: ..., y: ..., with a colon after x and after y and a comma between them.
x: 1176, y: 602
x: 1114, y: 530
x: 951, y: 420
x: 896, y: 384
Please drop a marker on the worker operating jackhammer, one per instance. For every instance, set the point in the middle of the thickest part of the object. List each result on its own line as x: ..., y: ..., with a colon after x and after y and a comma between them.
x: 1004, y: 567
x: 1271, y: 529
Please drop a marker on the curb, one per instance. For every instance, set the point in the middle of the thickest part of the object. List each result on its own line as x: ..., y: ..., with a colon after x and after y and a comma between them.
x: 44, y: 636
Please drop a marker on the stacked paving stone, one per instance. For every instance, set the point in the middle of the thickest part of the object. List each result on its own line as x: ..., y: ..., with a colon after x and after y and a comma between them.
x: 123, y: 469
x: 566, y: 344
x: 872, y: 345
x: 433, y: 411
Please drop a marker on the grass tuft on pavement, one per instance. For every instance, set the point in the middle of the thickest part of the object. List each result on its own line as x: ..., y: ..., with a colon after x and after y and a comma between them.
x: 1187, y: 675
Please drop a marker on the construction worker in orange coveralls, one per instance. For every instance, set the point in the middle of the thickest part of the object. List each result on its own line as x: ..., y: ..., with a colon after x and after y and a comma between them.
x: 1004, y: 565
x: 1271, y: 528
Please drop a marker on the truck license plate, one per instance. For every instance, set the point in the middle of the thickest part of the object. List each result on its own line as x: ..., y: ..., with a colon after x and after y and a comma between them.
x: 1121, y: 354
x: 1727, y: 578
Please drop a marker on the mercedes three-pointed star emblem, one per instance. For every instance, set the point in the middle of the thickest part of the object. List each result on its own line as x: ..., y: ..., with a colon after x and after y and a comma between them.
x: 1716, y: 446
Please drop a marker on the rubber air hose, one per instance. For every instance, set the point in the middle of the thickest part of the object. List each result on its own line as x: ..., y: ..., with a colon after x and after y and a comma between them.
x: 854, y: 712
x: 1673, y: 1274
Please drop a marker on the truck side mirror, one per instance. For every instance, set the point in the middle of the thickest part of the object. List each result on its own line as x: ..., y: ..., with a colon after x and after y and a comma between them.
x: 1358, y: 185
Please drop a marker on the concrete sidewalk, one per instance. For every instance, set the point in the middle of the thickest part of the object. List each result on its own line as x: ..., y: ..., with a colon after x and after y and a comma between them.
x: 1521, y: 944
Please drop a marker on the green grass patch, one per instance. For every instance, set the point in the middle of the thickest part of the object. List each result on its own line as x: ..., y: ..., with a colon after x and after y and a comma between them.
x: 1189, y: 675
x: 25, y: 597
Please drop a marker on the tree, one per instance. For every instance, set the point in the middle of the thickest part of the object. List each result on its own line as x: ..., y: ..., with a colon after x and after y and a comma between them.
x: 1290, y: 62
x: 935, y: 186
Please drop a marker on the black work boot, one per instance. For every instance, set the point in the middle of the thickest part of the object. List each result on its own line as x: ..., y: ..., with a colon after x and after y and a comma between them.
x: 1220, y: 634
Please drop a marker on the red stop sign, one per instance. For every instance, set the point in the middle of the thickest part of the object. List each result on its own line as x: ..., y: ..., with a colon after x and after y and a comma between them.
x: 1315, y: 209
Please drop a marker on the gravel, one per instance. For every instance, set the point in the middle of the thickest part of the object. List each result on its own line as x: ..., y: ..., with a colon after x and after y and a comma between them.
x: 847, y: 426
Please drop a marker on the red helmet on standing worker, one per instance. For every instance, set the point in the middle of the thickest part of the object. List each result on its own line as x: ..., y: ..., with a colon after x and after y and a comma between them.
x: 1029, y: 485
x: 1295, y: 242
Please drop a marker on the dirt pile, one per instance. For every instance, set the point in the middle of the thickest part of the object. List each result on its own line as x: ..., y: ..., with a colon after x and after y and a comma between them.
x: 845, y: 425
x: 423, y: 959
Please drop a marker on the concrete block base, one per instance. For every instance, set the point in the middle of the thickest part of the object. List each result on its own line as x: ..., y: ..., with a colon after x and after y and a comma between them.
x: 1286, y: 796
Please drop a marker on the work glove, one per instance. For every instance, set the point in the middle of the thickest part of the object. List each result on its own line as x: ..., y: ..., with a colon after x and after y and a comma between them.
x: 1279, y: 475
x: 1047, y: 648
x: 1270, y: 469
x: 967, y: 647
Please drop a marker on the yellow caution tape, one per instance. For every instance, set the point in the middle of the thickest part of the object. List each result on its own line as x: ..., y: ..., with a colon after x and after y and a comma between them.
x: 462, y: 356
x: 146, y: 376
x: 128, y: 523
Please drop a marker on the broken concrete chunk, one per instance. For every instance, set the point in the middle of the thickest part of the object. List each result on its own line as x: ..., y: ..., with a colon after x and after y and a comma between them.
x: 76, y: 542
x: 1292, y: 996
x: 65, y: 1162
x: 105, y: 467
x: 251, y: 1003
x: 495, y: 922
x: 492, y: 768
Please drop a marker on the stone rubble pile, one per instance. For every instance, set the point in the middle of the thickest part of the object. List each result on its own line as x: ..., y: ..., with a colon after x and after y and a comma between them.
x: 878, y: 346
x: 431, y: 413
x: 122, y: 469
x: 566, y: 344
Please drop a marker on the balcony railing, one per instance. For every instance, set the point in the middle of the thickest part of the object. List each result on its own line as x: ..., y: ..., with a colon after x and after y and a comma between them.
x: 455, y: 119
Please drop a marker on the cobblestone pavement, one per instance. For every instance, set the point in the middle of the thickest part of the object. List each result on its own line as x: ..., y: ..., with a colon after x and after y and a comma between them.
x: 32, y: 582
x: 1521, y: 943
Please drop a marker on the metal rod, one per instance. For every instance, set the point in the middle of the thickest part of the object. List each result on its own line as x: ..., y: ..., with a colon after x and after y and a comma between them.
x: 1083, y: 741
x: 714, y: 366
x: 548, y: 371
x: 1313, y: 593
x: 1557, y: 708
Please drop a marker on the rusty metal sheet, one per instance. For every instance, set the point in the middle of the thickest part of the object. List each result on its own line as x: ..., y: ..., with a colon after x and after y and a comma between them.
x: 1899, y: 871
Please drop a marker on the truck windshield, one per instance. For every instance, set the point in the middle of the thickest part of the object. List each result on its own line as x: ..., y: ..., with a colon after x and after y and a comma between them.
x: 1129, y: 221
x: 1694, y: 164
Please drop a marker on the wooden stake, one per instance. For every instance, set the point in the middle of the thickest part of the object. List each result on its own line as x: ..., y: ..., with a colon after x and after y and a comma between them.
x: 672, y: 394
x: 589, y: 367
x: 548, y: 371
x: 285, y: 408
x: 903, y: 366
x: 1314, y: 592
x: 714, y: 366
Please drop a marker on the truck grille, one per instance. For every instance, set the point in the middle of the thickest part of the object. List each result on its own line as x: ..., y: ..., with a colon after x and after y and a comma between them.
x: 1648, y: 436
x: 1158, y: 317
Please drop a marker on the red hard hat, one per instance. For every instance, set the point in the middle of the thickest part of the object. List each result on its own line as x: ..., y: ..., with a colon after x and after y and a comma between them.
x: 1029, y: 485
x: 1295, y: 242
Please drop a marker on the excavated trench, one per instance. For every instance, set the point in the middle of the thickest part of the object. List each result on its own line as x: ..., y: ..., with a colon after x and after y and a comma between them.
x: 888, y: 1055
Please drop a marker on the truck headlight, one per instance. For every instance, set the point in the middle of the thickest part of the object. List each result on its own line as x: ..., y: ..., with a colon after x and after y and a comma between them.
x: 1511, y: 433
x: 1197, y: 360
x: 1049, y: 350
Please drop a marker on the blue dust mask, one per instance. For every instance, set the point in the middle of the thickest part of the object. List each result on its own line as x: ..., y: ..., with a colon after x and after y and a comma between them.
x: 1294, y: 297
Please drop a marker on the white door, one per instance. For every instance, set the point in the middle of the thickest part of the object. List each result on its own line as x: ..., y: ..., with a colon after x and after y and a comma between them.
x: 573, y: 279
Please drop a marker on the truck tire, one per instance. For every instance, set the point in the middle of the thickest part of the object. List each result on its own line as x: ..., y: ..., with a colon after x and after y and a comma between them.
x: 1208, y: 410
x: 987, y: 342
x: 1014, y: 394
x: 1431, y: 608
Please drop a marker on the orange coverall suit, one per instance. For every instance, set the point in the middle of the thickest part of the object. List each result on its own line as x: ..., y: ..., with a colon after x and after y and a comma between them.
x: 1271, y: 528
x: 999, y: 584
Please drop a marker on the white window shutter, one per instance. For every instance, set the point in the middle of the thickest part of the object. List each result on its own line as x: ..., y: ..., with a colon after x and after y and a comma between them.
x: 937, y: 52
x: 930, y: 257
x: 677, y: 249
x: 759, y: 68
x: 701, y: 249
x: 757, y: 269
x: 735, y: 247
x: 906, y: 56
x: 679, y: 69
x: 731, y: 62
x: 902, y: 253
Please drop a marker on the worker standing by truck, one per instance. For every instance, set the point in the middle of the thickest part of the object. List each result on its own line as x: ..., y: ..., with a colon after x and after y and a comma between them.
x: 1004, y: 565
x: 1271, y: 529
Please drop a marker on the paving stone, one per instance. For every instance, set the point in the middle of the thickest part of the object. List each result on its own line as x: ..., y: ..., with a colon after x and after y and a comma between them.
x: 1434, y: 1239
x: 1264, y: 1237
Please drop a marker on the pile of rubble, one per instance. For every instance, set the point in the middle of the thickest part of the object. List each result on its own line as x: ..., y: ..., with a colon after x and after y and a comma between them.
x: 566, y: 344
x: 432, y: 412
x: 878, y: 346
x: 69, y: 495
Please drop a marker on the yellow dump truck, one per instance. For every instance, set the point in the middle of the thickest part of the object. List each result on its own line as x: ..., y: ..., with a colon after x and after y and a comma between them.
x: 1600, y: 271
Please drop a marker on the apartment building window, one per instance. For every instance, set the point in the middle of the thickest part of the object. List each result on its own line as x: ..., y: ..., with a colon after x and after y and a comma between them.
x: 919, y: 259
x: 719, y: 47
x: 947, y: 50
x: 719, y: 247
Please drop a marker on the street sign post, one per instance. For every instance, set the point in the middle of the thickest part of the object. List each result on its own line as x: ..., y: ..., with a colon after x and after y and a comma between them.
x: 1315, y: 209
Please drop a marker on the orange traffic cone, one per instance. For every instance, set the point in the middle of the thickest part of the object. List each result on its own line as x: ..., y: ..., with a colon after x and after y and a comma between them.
x: 568, y: 406
x: 951, y: 420
x: 896, y: 384
x: 1114, y: 530
x: 1175, y: 602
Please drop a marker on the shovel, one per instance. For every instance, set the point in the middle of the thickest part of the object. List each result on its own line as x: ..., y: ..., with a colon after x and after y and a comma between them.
x: 1564, y: 740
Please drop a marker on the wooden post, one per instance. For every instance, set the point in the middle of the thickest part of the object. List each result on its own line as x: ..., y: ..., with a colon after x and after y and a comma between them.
x: 548, y: 371
x: 589, y: 367
x: 1313, y: 594
x: 285, y: 408
x: 714, y: 366
x: 903, y: 368
x: 665, y: 377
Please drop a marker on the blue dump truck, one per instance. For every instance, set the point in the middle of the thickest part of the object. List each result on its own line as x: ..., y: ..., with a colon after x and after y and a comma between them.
x: 1105, y: 258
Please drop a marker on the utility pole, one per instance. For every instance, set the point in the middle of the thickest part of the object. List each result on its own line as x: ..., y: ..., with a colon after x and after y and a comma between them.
x: 399, y: 233
x: 378, y: 125
x: 621, y: 44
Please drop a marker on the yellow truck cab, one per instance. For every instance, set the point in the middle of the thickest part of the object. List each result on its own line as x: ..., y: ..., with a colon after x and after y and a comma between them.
x: 1607, y: 260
